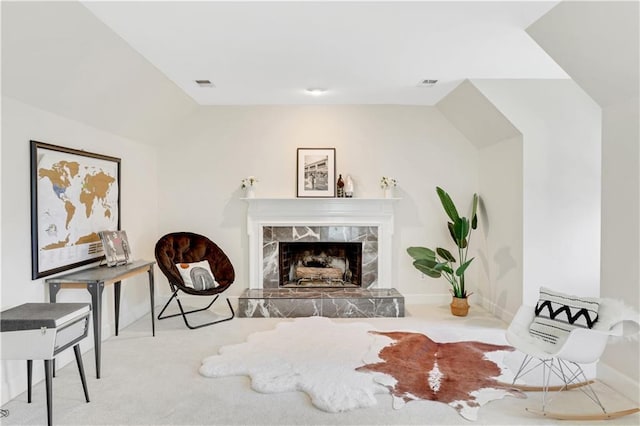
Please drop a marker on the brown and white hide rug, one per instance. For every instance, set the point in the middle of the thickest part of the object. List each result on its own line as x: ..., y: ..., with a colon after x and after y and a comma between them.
x: 342, y: 365
x: 465, y: 375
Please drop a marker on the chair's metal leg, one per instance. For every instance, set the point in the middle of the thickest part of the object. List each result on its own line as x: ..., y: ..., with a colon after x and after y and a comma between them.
x: 525, y: 367
x: 184, y: 313
x: 570, y: 373
x: 578, y: 375
x: 547, y: 367
x: 173, y: 295
x: 523, y: 364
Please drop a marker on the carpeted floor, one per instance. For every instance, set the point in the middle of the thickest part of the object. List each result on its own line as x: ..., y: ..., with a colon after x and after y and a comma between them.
x: 155, y: 381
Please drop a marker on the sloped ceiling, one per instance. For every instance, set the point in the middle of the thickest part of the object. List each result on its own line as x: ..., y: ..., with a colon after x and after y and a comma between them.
x: 476, y: 117
x: 363, y: 52
x: 59, y: 57
x: 597, y: 44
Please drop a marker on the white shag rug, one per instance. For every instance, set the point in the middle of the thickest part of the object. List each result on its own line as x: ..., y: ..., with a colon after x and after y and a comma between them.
x: 320, y: 357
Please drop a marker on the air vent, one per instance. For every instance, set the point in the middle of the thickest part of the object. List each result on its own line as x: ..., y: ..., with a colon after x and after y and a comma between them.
x: 427, y: 83
x: 204, y: 83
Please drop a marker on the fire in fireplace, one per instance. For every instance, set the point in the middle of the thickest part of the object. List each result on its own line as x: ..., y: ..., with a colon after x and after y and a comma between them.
x: 320, y: 264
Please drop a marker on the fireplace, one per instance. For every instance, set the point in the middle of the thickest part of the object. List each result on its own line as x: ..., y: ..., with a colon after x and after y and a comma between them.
x: 317, y: 257
x: 328, y: 257
x: 320, y: 264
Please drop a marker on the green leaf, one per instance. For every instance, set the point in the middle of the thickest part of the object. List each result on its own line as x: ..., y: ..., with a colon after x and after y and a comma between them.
x: 474, y: 208
x: 445, y: 268
x: 421, y: 253
x: 474, y: 212
x: 460, y: 231
x: 453, y: 235
x: 447, y: 204
x: 430, y: 263
x: 424, y: 266
x: 445, y: 254
x: 458, y: 293
x: 463, y: 267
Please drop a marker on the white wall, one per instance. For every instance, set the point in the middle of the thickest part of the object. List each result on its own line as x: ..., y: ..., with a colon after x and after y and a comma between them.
x: 200, y: 173
x: 499, y: 235
x: 21, y: 123
x: 78, y: 67
x: 621, y: 232
x: 501, y: 223
x: 561, y: 129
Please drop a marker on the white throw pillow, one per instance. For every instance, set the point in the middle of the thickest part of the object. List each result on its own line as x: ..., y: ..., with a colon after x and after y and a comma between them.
x: 558, y: 313
x: 197, y: 275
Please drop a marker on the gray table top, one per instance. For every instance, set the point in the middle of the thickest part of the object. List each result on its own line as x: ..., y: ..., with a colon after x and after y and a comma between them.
x: 30, y: 316
x: 100, y: 273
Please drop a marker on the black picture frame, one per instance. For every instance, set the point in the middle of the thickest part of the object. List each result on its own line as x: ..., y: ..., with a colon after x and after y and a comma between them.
x: 316, y: 173
x: 75, y: 194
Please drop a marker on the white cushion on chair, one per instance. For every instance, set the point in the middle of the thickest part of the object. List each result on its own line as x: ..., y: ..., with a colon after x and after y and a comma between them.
x: 197, y: 275
x: 556, y: 314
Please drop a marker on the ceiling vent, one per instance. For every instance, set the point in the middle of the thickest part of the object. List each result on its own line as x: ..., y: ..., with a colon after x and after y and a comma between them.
x: 204, y: 83
x: 427, y: 83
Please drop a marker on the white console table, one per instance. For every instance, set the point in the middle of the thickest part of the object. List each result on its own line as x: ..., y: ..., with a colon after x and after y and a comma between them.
x: 94, y: 280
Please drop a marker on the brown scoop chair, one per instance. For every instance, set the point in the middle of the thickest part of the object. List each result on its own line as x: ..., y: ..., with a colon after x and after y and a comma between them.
x: 187, y: 247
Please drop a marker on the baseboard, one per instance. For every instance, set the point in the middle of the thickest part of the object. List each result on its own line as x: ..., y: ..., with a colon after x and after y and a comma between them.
x: 494, y: 309
x: 619, y: 382
x: 427, y: 299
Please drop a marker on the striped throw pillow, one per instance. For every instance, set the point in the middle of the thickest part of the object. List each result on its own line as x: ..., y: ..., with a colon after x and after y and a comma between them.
x: 556, y: 314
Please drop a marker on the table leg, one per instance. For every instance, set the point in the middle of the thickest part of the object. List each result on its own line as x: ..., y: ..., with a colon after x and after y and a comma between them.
x: 29, y: 379
x: 48, y: 380
x: 116, y: 293
x: 53, y: 291
x: 152, y: 296
x: 95, y: 289
x: 76, y: 351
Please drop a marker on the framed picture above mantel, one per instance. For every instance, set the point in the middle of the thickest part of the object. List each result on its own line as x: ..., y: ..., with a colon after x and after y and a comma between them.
x: 316, y: 172
x: 74, y: 195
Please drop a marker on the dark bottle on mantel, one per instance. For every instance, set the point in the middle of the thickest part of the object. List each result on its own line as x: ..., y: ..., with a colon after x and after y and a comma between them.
x: 340, y: 186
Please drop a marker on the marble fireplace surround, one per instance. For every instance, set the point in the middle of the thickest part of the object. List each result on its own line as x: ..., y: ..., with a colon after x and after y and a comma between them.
x: 315, y: 219
x: 270, y: 220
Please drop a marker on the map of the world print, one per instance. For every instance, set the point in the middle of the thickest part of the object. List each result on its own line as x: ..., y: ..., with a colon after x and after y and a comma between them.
x: 77, y: 196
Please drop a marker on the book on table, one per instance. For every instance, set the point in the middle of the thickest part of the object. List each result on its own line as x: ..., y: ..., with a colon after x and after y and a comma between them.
x: 117, y: 250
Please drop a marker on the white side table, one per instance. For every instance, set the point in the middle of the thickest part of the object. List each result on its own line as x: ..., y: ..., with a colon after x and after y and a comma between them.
x: 41, y: 331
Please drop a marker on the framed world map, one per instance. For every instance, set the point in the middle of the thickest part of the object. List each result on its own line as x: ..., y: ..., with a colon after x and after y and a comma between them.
x: 74, y: 195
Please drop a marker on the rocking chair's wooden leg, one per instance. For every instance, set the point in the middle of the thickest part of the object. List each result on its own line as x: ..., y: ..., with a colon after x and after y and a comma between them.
x: 527, y: 388
x: 584, y: 417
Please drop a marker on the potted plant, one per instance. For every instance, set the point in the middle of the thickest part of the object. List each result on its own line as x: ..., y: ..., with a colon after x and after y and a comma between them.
x: 441, y: 262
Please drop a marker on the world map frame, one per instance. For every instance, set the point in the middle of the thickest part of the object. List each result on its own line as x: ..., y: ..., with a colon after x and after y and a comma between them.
x: 75, y: 194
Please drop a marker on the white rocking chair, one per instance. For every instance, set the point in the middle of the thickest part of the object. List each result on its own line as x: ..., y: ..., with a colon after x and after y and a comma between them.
x: 582, y: 346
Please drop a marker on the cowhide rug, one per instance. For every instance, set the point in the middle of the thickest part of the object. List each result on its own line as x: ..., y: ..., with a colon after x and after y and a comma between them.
x: 461, y: 374
x: 341, y: 366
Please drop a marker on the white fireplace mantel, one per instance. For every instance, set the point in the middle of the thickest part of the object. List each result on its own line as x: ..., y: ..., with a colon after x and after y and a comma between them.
x: 377, y: 212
